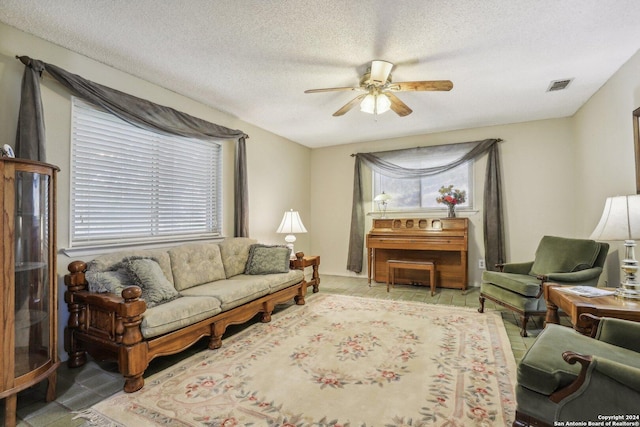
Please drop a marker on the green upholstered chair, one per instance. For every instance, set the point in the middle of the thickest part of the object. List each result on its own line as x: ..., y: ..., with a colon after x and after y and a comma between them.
x: 565, y: 376
x: 518, y: 286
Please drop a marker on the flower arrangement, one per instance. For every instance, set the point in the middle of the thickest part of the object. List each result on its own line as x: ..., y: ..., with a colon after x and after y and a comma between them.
x: 451, y: 196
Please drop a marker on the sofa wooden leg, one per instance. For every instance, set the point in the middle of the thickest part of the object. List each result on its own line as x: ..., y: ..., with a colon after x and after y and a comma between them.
x: 215, y: 342
x: 77, y: 359
x: 134, y: 383
x: 299, y: 299
x: 481, y: 308
x: 217, y: 330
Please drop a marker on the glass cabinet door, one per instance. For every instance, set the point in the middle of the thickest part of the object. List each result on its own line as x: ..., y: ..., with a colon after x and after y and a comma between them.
x: 32, y: 286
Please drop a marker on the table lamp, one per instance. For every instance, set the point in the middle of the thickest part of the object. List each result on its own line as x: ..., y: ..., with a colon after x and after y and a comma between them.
x: 621, y: 221
x: 291, y: 223
x: 382, y: 200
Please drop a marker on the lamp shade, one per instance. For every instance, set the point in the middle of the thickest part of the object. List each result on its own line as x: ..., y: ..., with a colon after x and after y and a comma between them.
x: 375, y: 104
x: 291, y: 223
x: 620, y: 219
x: 382, y: 198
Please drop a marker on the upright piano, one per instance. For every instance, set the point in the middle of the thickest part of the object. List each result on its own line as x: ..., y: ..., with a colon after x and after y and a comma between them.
x: 444, y: 241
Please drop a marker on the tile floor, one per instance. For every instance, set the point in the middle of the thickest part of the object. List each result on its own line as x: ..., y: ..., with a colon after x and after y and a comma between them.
x: 80, y: 388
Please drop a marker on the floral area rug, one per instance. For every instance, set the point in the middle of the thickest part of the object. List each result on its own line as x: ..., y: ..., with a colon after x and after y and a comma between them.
x: 337, y: 361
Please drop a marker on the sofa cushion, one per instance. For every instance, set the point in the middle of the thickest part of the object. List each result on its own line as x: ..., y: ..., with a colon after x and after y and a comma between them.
x: 563, y: 255
x: 264, y: 259
x: 527, y: 286
x: 195, y: 264
x: 147, y: 274
x: 108, y: 281
x: 275, y: 282
x: 512, y: 299
x: 235, y: 252
x: 231, y: 292
x: 543, y: 370
x: 177, y: 314
x: 113, y: 261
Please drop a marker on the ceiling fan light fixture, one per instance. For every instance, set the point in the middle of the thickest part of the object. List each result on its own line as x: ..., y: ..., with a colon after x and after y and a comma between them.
x: 375, y: 104
x: 380, y: 71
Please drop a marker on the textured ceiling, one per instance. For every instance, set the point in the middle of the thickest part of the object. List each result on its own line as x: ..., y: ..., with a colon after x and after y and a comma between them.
x: 254, y: 59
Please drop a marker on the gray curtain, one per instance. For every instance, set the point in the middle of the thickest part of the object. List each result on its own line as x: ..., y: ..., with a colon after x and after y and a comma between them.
x: 494, y: 246
x: 136, y: 111
x: 241, y: 224
x: 30, y: 136
x: 492, y: 214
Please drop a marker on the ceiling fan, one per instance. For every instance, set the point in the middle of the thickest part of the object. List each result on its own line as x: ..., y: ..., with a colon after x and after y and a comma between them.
x: 378, y: 91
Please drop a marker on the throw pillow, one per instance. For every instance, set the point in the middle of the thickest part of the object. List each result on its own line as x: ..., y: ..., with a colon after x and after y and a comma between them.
x: 264, y: 259
x: 108, y: 281
x: 147, y: 274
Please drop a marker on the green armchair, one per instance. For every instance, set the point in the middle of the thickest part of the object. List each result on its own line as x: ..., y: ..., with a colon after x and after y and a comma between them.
x: 565, y: 376
x: 518, y: 286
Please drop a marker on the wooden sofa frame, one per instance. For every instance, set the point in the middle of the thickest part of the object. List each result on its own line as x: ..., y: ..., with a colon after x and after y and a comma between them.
x: 107, y: 326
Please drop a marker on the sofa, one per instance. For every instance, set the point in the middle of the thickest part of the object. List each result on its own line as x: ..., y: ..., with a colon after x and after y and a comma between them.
x: 566, y: 378
x: 132, y: 306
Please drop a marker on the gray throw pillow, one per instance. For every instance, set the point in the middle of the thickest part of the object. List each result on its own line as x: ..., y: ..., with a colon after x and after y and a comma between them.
x: 147, y: 274
x: 264, y: 259
x: 108, y: 281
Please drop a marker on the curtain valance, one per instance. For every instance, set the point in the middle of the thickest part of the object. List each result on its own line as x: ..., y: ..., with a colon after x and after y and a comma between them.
x: 30, y: 136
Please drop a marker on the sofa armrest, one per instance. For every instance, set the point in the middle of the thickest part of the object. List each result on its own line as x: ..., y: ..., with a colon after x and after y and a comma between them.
x: 575, y: 277
x: 603, y: 385
x: 99, y: 316
x: 619, y: 332
x: 516, y: 267
x: 626, y: 375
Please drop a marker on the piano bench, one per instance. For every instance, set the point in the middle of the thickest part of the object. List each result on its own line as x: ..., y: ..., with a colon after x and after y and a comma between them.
x: 429, y: 266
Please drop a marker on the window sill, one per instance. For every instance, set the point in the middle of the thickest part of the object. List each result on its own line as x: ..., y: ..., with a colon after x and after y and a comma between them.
x: 422, y: 214
x: 84, y: 251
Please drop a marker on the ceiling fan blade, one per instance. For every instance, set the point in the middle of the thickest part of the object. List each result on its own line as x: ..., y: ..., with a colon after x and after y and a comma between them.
x: 332, y: 89
x: 399, y: 107
x: 420, y: 86
x: 349, y: 105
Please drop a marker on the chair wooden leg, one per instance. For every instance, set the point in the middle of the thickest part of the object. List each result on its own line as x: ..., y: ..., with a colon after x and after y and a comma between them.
x: 524, y: 420
x: 524, y: 319
x: 481, y: 308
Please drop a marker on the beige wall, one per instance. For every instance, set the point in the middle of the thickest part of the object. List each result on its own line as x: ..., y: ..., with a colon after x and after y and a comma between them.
x: 278, y: 168
x: 537, y: 161
x: 556, y: 176
x: 605, y: 152
x: 556, y: 173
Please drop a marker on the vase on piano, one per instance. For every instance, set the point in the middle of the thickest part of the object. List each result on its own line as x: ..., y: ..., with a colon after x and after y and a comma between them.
x: 451, y: 213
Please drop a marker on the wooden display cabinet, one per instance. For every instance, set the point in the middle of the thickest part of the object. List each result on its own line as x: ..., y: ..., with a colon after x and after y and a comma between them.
x: 28, y: 292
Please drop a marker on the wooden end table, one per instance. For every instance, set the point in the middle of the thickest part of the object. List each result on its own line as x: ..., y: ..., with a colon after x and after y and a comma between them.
x: 308, y: 261
x: 574, y: 305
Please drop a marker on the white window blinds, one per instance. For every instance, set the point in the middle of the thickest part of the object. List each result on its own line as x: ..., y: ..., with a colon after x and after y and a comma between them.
x: 130, y: 185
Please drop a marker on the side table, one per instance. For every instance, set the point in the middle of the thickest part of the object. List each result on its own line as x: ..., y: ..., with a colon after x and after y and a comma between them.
x: 308, y: 261
x: 574, y: 305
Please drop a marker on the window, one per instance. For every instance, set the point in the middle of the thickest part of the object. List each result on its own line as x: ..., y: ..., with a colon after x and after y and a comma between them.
x: 415, y: 194
x: 132, y: 186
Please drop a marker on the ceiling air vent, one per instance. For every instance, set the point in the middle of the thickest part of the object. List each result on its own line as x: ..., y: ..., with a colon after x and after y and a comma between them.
x: 558, y: 85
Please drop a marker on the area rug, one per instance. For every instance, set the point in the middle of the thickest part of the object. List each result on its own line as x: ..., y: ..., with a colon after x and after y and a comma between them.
x: 337, y: 361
